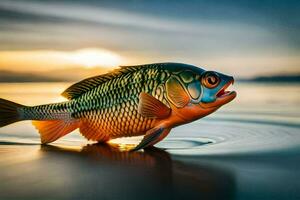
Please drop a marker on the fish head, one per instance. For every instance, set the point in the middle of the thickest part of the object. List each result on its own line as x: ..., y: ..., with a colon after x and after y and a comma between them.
x: 196, y: 93
x: 207, y: 88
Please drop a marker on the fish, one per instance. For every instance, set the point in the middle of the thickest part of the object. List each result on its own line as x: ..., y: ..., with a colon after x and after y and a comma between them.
x: 142, y: 100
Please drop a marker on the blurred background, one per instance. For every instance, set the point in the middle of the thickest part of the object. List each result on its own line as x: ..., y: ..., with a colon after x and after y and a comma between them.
x: 248, y: 149
x: 43, y: 40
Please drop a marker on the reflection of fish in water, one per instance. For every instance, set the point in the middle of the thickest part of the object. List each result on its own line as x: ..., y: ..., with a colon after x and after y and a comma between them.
x: 108, y: 153
x: 152, y: 174
x: 134, y: 100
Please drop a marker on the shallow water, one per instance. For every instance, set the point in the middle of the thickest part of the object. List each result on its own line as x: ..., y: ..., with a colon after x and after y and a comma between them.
x: 249, y: 149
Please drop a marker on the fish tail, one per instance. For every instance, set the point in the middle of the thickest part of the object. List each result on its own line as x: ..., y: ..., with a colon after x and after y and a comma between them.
x: 52, y: 121
x: 10, y: 112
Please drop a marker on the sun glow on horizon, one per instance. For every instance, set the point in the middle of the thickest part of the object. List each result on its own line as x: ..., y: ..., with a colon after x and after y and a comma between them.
x: 43, y: 60
x: 95, y: 57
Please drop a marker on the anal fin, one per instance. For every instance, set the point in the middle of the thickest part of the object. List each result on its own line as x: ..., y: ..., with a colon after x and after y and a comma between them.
x: 52, y: 130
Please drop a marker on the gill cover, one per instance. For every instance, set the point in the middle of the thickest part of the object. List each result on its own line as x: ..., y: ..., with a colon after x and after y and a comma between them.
x: 176, y: 92
x: 192, y: 84
x: 184, y: 87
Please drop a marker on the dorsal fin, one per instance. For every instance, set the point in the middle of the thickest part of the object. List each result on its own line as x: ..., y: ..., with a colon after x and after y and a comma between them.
x: 85, y: 85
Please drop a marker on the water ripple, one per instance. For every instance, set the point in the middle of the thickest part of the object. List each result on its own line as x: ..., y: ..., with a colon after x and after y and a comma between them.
x: 222, y: 138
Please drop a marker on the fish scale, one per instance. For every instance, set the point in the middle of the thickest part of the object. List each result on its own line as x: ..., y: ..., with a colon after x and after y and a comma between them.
x: 109, y: 101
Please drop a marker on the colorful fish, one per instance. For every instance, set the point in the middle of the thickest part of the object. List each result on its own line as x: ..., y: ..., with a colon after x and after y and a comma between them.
x: 138, y: 100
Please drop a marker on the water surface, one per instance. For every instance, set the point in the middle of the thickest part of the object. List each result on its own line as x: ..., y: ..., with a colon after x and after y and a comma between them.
x: 249, y: 149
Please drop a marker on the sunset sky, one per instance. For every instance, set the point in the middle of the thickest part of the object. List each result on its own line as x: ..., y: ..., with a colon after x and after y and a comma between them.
x: 243, y: 38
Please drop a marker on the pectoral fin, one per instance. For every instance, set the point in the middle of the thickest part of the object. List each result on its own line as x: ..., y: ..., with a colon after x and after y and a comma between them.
x: 152, y: 108
x: 152, y: 137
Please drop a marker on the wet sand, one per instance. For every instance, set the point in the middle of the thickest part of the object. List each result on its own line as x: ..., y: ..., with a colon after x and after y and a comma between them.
x: 250, y: 149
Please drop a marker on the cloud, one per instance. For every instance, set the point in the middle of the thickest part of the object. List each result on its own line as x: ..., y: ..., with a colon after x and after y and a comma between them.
x: 144, y: 32
x: 117, y: 17
x: 95, y: 15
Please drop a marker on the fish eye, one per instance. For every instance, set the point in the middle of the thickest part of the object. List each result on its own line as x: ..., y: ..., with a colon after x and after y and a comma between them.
x: 210, y: 80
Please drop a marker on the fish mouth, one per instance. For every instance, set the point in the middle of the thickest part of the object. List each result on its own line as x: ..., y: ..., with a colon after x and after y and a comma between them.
x: 224, y: 94
x: 222, y: 97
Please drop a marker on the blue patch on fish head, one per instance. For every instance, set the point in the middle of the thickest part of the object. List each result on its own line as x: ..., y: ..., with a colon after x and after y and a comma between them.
x: 212, y: 83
